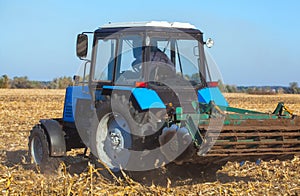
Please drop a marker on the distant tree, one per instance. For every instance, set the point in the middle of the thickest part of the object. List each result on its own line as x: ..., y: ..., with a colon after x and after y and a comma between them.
x: 251, y: 90
x: 259, y: 90
x: 294, y: 88
x: 4, y: 81
x: 243, y: 90
x: 221, y: 86
x: 61, y: 82
x: 20, y: 82
x: 231, y: 88
x: 36, y: 84
x: 24, y: 82
x: 268, y: 89
x: 280, y: 90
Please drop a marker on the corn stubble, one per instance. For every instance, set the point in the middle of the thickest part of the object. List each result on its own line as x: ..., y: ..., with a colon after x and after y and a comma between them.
x: 21, y: 109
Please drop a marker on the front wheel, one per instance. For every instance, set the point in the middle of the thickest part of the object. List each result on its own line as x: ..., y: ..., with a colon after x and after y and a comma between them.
x: 39, y: 150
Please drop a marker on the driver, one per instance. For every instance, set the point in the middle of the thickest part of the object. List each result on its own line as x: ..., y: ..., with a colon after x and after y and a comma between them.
x: 157, y: 57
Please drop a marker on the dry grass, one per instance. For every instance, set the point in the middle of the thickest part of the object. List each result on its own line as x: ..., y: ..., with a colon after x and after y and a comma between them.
x: 21, y: 109
x: 264, y: 103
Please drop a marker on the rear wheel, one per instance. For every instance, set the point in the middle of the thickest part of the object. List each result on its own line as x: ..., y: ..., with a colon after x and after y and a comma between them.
x: 119, y: 140
x: 111, y: 140
x: 39, y: 150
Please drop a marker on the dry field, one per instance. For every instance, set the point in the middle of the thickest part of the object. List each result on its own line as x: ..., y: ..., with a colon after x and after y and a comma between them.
x: 21, y: 109
x: 263, y: 103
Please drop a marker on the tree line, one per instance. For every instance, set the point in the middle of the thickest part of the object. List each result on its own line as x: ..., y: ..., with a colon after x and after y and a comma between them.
x: 293, y: 88
x: 63, y: 82
x: 24, y: 82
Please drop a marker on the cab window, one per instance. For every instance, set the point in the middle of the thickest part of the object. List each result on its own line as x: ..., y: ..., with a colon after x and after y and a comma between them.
x: 105, y: 59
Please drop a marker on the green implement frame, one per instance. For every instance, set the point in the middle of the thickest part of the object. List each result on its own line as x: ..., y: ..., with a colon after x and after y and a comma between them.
x: 235, y: 131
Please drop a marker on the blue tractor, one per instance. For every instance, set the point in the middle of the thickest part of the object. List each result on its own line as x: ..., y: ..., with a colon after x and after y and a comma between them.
x: 147, y: 97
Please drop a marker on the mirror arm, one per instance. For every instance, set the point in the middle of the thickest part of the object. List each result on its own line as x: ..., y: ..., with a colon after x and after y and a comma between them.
x: 87, y: 32
x: 84, y: 59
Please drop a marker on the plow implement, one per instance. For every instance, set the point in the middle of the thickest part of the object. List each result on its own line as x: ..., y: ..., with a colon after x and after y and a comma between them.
x: 225, y: 133
x: 261, y: 139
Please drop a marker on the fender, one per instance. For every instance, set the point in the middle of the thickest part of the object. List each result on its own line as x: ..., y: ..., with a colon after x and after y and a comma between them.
x: 146, y: 98
x: 57, y: 143
x: 206, y: 95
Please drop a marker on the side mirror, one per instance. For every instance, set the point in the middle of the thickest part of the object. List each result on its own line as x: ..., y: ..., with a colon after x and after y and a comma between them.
x: 82, y: 45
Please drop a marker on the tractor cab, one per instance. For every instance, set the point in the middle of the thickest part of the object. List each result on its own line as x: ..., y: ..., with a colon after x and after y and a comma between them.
x: 121, y: 52
x: 156, y: 55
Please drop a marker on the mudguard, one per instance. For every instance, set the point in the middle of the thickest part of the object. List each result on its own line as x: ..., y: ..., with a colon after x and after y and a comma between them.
x: 146, y: 98
x: 206, y: 95
x: 57, y: 143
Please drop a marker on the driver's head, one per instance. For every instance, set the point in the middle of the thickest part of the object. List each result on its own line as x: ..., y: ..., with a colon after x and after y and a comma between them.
x: 153, y: 45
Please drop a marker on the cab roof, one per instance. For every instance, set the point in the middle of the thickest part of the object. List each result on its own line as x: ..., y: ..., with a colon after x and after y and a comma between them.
x: 153, y: 26
x: 180, y: 25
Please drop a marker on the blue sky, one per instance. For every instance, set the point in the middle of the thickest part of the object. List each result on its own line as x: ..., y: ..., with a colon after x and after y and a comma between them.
x: 256, y: 42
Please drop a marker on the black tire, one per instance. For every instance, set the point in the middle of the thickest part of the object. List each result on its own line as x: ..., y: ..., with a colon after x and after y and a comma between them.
x: 129, y: 124
x: 39, y: 151
x: 101, y: 141
x: 143, y: 124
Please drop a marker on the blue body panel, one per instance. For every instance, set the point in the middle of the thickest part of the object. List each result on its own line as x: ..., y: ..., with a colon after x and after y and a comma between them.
x: 125, y: 88
x: 146, y: 98
x: 72, y: 94
x: 206, y: 95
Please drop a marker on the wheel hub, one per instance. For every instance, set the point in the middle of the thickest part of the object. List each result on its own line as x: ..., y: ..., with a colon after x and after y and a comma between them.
x: 112, y: 141
x: 116, y: 138
x: 36, y: 150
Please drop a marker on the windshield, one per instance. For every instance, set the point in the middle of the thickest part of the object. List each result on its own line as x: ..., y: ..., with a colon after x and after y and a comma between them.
x: 141, y: 57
